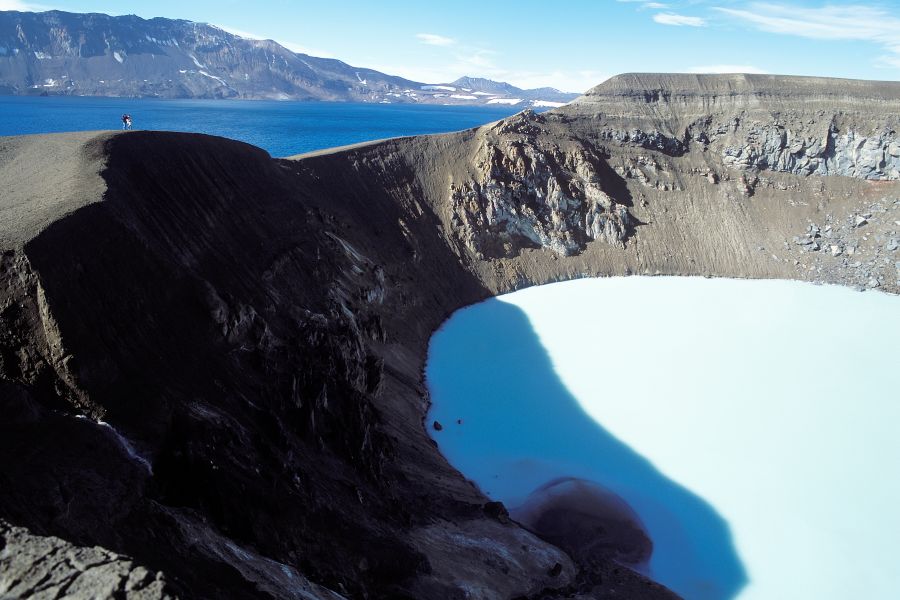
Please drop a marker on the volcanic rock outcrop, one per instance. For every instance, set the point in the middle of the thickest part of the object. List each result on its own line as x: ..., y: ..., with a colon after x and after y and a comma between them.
x: 48, y: 567
x: 526, y: 190
x: 211, y: 360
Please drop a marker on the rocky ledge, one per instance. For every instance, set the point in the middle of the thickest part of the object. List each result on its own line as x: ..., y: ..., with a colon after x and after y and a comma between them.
x: 47, y: 567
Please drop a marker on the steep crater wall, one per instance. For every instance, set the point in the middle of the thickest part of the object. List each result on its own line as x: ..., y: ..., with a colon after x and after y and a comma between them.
x: 252, y: 331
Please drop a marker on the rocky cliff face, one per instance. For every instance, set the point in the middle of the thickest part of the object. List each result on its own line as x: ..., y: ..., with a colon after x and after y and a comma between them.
x: 210, y: 360
x: 875, y: 155
x: 98, y: 55
x: 751, y: 122
x: 525, y: 190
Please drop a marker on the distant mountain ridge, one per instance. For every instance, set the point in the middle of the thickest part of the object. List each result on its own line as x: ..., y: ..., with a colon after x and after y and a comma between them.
x: 94, y: 54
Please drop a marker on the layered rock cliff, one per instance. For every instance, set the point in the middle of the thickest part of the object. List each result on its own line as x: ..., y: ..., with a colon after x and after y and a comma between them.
x: 755, y: 121
x: 211, y: 360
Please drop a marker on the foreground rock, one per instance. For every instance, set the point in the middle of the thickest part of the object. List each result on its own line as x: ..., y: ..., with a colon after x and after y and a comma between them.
x: 589, y: 522
x: 211, y: 360
x: 48, y: 567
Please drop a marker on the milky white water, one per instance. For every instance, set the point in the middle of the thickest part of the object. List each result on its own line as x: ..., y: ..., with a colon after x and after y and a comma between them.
x: 754, y: 426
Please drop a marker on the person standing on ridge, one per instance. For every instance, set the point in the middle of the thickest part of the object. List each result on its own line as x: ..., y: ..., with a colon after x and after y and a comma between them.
x: 126, y: 122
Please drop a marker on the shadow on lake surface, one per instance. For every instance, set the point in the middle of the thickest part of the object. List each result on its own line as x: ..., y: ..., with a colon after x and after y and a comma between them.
x: 521, y: 427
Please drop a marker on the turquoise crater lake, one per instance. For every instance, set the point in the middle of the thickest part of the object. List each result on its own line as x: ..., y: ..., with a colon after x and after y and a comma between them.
x: 750, y: 425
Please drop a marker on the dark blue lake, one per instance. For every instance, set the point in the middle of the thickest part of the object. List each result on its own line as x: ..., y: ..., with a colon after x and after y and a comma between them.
x: 281, y: 128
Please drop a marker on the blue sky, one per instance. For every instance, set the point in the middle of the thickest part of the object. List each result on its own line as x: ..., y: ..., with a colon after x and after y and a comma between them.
x: 570, y: 45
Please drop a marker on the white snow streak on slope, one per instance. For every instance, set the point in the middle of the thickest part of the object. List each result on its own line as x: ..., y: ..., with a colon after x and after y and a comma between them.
x: 219, y: 79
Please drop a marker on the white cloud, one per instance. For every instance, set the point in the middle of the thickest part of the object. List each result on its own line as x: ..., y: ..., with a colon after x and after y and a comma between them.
x: 432, y: 39
x: 829, y: 22
x: 480, y: 63
x: 476, y: 59
x: 292, y: 46
x: 678, y: 20
x: 645, y: 4
x: 566, y: 81
x: 301, y: 49
x: 726, y: 69
x: 21, y: 6
x: 891, y: 60
x: 241, y: 33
